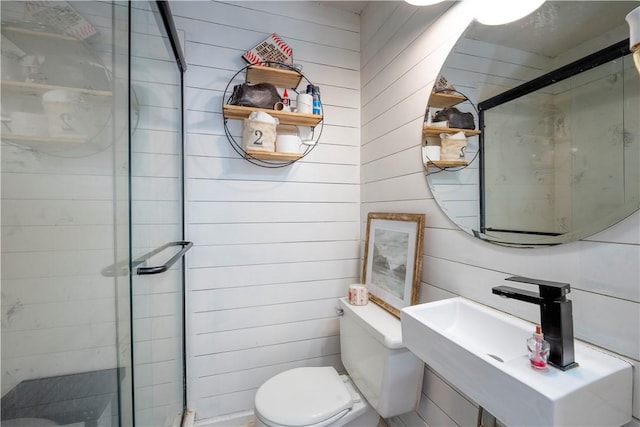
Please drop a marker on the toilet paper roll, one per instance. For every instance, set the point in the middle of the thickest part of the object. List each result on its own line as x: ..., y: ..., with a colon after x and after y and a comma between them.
x: 431, y: 153
x: 288, y: 143
x: 280, y: 106
x: 304, y: 103
x: 358, y: 295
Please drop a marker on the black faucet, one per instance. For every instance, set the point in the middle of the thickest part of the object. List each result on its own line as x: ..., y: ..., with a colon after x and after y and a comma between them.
x: 555, y: 316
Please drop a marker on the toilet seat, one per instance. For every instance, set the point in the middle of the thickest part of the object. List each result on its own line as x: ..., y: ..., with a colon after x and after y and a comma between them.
x: 303, y: 397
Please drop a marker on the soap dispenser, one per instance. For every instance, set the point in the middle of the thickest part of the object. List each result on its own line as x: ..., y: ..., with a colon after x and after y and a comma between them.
x: 538, y: 349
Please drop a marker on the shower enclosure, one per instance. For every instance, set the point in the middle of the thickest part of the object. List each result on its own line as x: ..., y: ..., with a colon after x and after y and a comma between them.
x: 92, y: 215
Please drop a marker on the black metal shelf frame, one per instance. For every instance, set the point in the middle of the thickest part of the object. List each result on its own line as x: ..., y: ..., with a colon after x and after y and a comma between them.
x: 455, y: 168
x: 237, y: 146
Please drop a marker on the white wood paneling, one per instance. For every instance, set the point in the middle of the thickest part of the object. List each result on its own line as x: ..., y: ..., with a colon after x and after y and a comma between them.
x: 270, y: 191
x: 458, y: 407
x: 603, y: 270
x: 228, y: 23
x: 222, y: 254
x: 217, y: 363
x: 228, y: 276
x: 402, y: 163
x: 154, y: 141
x: 403, y: 187
x: 626, y: 231
x: 233, y: 402
x: 262, y: 336
x: 251, y: 379
x: 259, y: 212
x: 248, y: 317
x: 227, y: 392
x: 221, y: 234
x: 302, y: 171
x: 343, y: 152
x: 247, y: 299
x: 275, y: 248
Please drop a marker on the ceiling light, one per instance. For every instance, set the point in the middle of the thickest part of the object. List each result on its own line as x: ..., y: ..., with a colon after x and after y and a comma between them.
x: 422, y: 2
x: 499, y: 12
x: 633, y: 19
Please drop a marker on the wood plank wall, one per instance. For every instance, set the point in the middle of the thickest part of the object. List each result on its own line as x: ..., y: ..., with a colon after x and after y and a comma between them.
x: 402, y: 53
x: 274, y: 248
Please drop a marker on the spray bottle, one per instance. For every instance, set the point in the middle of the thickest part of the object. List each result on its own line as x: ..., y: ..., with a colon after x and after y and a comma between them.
x: 316, y: 100
x: 538, y: 349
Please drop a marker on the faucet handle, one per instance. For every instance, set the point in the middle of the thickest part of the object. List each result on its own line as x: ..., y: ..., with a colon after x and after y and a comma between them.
x: 548, y: 290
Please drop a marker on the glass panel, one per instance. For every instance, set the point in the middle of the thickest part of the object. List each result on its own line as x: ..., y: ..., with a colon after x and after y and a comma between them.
x: 65, y: 307
x: 559, y: 161
x: 156, y: 202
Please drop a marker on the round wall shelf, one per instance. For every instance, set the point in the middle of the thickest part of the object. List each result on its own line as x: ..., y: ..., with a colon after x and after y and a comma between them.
x: 281, y: 76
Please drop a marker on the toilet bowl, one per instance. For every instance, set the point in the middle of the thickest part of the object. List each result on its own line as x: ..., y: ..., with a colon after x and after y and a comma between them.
x: 312, y: 397
x: 385, y: 378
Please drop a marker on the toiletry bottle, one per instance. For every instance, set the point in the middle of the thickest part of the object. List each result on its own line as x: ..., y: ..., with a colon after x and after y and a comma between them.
x: 538, y: 349
x: 316, y: 100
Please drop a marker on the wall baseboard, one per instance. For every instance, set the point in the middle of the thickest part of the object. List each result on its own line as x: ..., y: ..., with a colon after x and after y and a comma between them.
x: 635, y: 422
x: 240, y: 419
x: 189, y: 419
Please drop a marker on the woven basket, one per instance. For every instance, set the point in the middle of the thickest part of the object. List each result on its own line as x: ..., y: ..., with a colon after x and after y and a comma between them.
x: 452, y: 149
x: 259, y: 136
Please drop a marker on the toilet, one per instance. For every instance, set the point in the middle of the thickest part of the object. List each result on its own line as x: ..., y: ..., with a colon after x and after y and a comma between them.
x: 384, y: 378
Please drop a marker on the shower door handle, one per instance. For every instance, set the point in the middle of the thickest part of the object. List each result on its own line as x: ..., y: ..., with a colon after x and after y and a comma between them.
x: 167, y: 265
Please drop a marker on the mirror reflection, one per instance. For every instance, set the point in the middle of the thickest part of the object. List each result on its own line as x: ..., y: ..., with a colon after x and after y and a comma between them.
x: 555, y: 153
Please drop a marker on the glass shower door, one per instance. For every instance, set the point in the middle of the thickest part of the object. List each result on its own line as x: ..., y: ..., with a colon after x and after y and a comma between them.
x: 157, y: 246
x: 91, y: 213
x: 66, y: 354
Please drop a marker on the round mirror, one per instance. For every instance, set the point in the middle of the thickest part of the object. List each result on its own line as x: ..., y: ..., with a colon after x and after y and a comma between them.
x: 532, y: 132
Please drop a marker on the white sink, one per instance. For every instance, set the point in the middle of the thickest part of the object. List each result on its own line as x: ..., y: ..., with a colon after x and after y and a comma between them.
x: 482, y: 352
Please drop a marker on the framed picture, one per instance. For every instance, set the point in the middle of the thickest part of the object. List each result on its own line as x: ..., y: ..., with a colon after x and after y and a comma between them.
x: 393, y: 259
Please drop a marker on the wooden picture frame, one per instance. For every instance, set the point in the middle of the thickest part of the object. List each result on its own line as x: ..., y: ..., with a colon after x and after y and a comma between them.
x: 393, y: 259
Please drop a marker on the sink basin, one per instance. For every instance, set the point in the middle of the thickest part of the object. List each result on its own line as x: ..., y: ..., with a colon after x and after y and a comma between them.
x: 482, y: 352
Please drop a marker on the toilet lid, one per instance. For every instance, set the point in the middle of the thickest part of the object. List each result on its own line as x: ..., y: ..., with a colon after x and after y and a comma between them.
x: 303, y: 396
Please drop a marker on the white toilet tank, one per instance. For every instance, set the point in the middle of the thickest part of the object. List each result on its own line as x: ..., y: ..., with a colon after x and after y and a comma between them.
x: 383, y: 369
